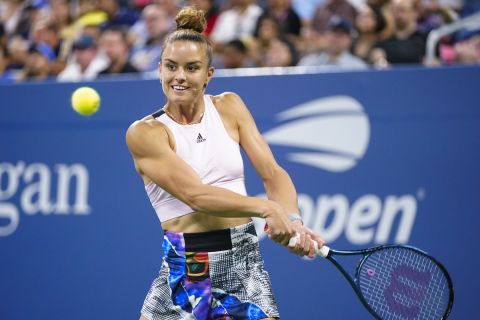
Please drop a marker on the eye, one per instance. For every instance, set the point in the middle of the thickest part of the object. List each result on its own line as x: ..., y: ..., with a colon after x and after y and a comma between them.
x: 170, y: 66
x: 192, y: 68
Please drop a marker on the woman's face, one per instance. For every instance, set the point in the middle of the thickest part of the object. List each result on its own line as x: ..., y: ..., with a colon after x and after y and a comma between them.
x: 365, y: 21
x: 184, y: 71
x: 267, y: 30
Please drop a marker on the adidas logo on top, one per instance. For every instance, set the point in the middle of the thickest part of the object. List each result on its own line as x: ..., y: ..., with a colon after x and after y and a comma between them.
x: 200, y: 138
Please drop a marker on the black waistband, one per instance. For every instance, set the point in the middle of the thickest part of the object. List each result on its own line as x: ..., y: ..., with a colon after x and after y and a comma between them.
x: 209, y: 241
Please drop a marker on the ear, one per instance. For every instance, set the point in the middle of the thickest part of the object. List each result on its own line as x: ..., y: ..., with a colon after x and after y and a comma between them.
x: 210, y: 72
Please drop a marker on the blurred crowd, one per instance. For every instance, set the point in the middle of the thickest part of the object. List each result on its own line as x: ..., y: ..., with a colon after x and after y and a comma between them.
x: 87, y: 39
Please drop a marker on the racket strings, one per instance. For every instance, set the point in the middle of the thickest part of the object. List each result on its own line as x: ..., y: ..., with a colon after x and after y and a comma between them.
x: 400, y: 283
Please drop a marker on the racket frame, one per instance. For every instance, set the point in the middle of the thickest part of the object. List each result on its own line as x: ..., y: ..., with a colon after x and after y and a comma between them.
x: 354, y: 282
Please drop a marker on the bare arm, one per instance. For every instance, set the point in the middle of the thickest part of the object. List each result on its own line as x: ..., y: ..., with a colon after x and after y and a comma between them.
x: 154, y: 158
x: 277, y: 182
x: 278, y: 185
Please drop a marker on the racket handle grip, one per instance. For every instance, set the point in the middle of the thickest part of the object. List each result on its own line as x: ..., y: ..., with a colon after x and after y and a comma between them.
x: 322, y: 252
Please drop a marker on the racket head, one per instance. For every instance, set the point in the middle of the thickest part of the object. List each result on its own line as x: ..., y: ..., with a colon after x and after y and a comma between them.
x: 404, y: 283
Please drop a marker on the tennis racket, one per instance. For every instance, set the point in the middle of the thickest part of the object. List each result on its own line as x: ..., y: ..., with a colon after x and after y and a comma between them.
x: 396, y: 282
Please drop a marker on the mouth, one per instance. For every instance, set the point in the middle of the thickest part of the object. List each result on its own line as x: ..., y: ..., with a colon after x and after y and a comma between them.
x: 179, y: 88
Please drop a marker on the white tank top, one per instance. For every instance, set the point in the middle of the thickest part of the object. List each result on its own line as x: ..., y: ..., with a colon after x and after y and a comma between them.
x: 210, y: 151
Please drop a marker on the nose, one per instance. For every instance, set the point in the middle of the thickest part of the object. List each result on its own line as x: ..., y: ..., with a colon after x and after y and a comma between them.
x: 180, y: 75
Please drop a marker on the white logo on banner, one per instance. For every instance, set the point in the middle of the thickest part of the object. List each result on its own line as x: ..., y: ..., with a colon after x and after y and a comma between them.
x: 332, y: 134
x: 34, y: 185
x: 335, y: 131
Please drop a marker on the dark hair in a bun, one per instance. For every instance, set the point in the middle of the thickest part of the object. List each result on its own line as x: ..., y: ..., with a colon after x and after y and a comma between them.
x: 191, y: 19
x: 190, y: 25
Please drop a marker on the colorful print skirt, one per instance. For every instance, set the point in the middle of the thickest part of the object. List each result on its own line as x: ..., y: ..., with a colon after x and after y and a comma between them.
x: 211, y: 275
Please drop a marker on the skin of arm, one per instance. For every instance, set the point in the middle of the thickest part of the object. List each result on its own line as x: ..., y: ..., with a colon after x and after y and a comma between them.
x: 278, y: 184
x: 151, y: 149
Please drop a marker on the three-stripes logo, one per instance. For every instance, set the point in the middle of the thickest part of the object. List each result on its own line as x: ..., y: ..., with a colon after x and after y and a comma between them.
x: 200, y: 138
x: 328, y: 133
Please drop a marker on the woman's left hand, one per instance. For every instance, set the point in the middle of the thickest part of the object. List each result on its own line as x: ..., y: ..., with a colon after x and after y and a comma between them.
x: 305, y: 246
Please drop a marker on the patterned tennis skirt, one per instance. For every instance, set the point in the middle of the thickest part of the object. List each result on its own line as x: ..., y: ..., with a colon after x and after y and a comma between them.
x: 211, y: 275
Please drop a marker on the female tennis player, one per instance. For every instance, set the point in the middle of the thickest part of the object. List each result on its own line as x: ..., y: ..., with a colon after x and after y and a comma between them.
x: 188, y: 154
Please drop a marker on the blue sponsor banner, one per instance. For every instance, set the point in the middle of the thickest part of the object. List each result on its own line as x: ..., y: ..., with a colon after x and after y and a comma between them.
x: 377, y: 157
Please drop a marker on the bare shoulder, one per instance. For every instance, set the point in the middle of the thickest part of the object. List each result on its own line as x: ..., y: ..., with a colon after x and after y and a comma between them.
x: 228, y: 98
x: 230, y: 103
x: 144, y: 134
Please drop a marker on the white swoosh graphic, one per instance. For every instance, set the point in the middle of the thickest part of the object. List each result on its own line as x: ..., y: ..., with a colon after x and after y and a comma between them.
x: 336, y: 127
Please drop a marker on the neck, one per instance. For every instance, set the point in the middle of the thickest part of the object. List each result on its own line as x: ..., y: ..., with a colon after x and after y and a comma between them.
x: 117, y: 64
x: 185, y: 114
x: 407, y: 32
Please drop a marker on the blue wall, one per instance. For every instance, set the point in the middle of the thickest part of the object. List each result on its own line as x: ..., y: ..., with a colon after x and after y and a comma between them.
x: 377, y: 157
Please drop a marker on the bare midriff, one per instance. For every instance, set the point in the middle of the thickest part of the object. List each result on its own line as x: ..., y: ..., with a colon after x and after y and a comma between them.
x: 202, y: 222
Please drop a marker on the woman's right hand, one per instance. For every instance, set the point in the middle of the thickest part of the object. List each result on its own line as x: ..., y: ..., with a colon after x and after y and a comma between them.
x: 279, y: 229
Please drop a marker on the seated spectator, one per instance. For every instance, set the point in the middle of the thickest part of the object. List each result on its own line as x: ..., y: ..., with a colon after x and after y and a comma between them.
x: 280, y: 53
x: 268, y: 29
x: 369, y: 24
x: 237, y: 22
x: 336, y: 55
x: 114, y: 43
x: 89, y: 14
x: 288, y: 20
x: 6, y: 75
x: 3, y: 36
x: 117, y: 15
x: 46, y: 34
x: 434, y: 15
x: 18, y: 52
x: 37, y: 65
x: 465, y: 51
x: 86, y: 64
x: 330, y: 8
x: 407, y: 44
x: 146, y: 53
x: 269, y: 39
x: 234, y: 55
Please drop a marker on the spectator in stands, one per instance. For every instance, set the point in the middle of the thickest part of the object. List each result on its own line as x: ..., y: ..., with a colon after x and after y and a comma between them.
x: 467, y: 51
x: 11, y: 13
x: 47, y: 35
x: 170, y: 7
x: 6, y: 74
x: 268, y: 28
x: 323, y: 14
x: 3, y: 36
x: 63, y: 18
x: 407, y: 44
x: 336, y: 55
x: 369, y: 24
x: 237, y: 22
x: 37, y: 65
x: 117, y: 15
x: 288, y: 20
x: 114, y: 43
x: 86, y: 64
x: 280, y: 53
x: 89, y: 14
x: 313, y: 33
x: 147, y: 52
x: 434, y: 15
x: 18, y: 52
x: 234, y: 55
x: 269, y: 39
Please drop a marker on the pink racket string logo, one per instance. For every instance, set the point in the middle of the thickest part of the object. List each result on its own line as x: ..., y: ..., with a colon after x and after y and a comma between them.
x: 371, y: 272
x: 407, y: 290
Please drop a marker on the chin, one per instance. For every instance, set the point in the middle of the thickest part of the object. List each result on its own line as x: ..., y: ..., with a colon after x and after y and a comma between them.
x: 182, y: 98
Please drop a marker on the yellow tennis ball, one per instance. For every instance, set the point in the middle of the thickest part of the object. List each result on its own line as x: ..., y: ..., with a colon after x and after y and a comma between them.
x: 85, y: 101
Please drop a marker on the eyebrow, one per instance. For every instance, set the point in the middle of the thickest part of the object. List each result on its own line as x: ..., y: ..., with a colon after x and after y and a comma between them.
x: 191, y: 62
